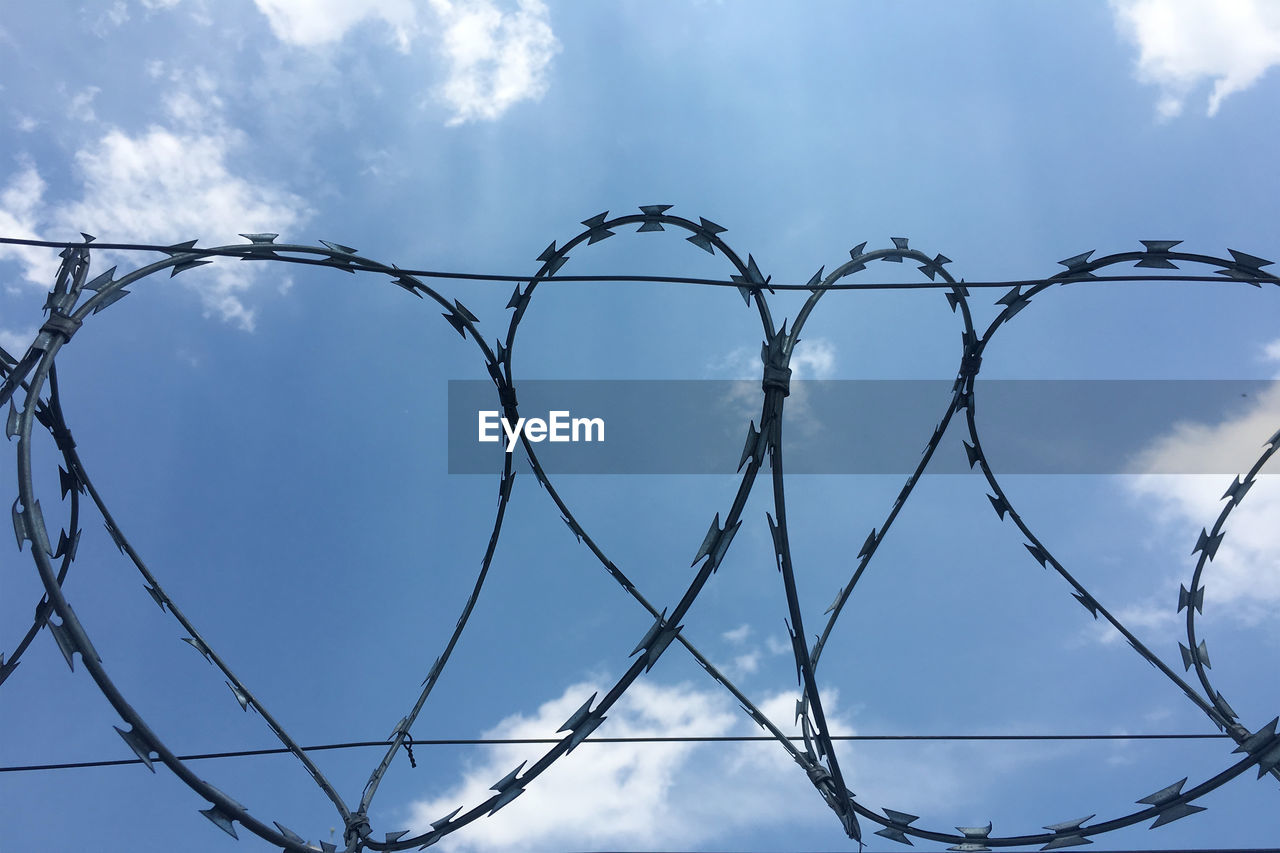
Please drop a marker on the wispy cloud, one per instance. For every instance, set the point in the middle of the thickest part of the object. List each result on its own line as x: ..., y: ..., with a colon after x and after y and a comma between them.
x: 80, y: 105
x: 776, y: 645
x: 656, y: 795
x: 495, y: 57
x: 811, y: 359
x: 317, y: 23
x: 1184, y: 43
x: 21, y: 203
x: 1148, y: 621
x: 637, y: 795
x: 110, y: 18
x: 171, y: 182
x: 1244, y: 577
x: 16, y: 343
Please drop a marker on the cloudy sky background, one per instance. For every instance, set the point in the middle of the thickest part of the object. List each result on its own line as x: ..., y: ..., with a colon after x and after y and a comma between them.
x: 271, y: 437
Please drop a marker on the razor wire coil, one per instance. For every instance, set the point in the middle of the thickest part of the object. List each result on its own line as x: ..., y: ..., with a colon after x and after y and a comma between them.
x: 26, y: 379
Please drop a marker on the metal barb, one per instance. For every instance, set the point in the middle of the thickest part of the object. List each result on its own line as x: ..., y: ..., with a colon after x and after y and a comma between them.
x: 220, y: 819
x: 140, y: 746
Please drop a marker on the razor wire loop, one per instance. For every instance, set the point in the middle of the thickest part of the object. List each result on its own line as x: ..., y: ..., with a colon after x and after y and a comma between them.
x: 49, y: 414
x: 69, y: 281
x: 1261, y: 748
x: 1197, y: 654
x: 1159, y: 254
x: 776, y: 353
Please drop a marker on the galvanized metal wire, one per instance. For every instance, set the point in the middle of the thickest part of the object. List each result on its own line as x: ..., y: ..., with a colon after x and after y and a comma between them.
x: 509, y: 741
x: 75, y: 298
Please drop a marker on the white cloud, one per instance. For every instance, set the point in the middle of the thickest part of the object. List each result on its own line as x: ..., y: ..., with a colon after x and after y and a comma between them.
x: 660, y: 795
x: 1231, y: 445
x: 26, y: 124
x: 495, y: 59
x: 1271, y: 352
x: 1243, y: 580
x: 739, y: 363
x: 777, y: 645
x: 1184, y: 43
x: 193, y: 102
x: 1244, y: 577
x: 1148, y: 622
x: 378, y: 163
x: 164, y: 185
x: 21, y: 202
x: 747, y: 662
x: 81, y: 104
x: 813, y: 359
x: 317, y: 23
x: 112, y: 17
x: 647, y: 795
x: 16, y: 343
x: 188, y: 356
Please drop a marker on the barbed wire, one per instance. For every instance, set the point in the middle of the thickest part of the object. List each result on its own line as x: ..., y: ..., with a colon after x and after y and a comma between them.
x: 813, y: 750
x: 245, y: 253
x: 517, y: 741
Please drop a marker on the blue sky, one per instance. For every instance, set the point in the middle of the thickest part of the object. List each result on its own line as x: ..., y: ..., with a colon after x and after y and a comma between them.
x: 272, y: 437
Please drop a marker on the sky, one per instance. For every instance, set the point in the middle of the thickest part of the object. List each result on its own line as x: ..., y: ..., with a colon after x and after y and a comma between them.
x: 272, y: 437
